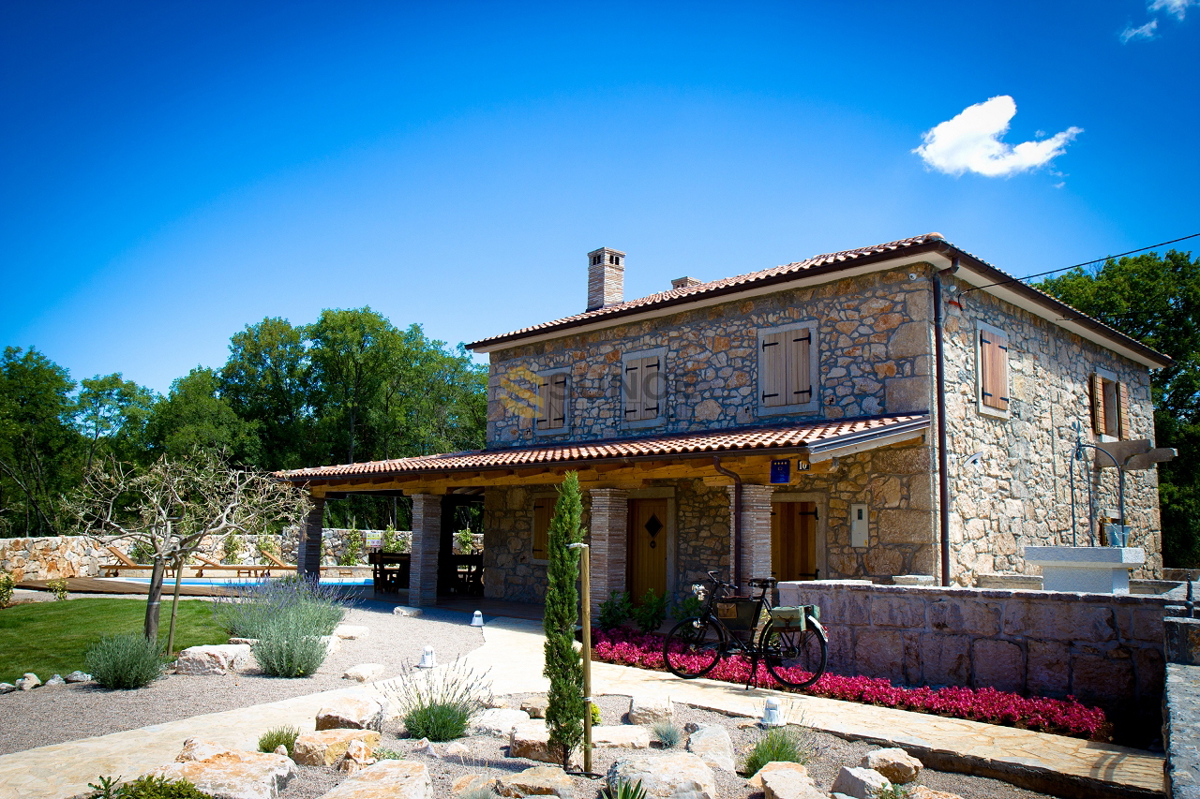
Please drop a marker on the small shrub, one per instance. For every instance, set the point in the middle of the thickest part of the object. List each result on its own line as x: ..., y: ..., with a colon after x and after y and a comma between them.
x: 893, y: 791
x: 255, y: 609
x: 465, y: 540
x: 383, y: 753
x: 596, y: 719
x: 267, y: 545
x: 615, y: 610
x: 231, y: 548
x: 439, y: 704
x: 626, y: 790
x: 141, y: 552
x: 59, y: 589
x: 7, y: 583
x: 652, y: 612
x: 276, y: 737
x: 352, y: 549
x: 124, y: 661
x: 667, y: 733
x: 289, y: 649
x: 784, y: 744
x: 393, y: 541
x: 146, y: 787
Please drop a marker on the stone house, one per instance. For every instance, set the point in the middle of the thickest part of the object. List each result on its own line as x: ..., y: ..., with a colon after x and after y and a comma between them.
x: 786, y: 422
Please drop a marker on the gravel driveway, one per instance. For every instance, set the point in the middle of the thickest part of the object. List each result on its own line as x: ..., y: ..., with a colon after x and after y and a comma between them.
x: 55, y: 714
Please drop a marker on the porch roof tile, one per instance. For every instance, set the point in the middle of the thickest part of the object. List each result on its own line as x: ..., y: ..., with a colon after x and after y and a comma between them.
x: 811, y: 437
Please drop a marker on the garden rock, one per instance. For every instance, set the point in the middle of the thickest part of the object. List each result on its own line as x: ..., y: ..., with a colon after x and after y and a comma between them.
x: 357, y: 757
x: 492, y: 701
x: 79, y: 676
x: 861, y: 783
x: 535, y: 706
x: 326, y: 747
x: 56, y: 680
x: 789, y: 783
x: 531, y: 740
x: 895, y: 764
x: 351, y: 632
x: 457, y: 750
x: 7, y: 688
x: 469, y: 783
x: 403, y: 610
x: 650, y: 710
x: 537, y: 781
x: 713, y: 745
x: 921, y: 792
x: 388, y: 779
x: 425, y: 747
x: 282, y: 750
x: 625, y: 736
x: 351, y: 712
x: 775, y: 765
x: 364, y: 672
x: 333, y: 644
x: 28, y: 681
x: 676, y: 776
x: 229, y: 773
x: 215, y: 659
x: 498, y: 722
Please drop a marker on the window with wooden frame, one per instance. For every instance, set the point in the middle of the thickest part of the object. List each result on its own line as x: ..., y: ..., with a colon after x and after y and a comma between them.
x: 543, y: 512
x: 552, y: 402
x: 643, y: 388
x: 1110, y: 405
x: 787, y: 369
x: 993, y: 370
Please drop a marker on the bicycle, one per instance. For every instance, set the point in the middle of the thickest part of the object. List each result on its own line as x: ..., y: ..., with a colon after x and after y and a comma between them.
x: 792, y: 644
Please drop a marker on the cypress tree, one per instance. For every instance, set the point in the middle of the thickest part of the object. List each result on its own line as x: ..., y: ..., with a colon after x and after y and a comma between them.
x: 564, y: 666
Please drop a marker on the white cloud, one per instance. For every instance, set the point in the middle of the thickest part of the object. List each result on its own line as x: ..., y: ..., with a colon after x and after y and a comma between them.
x: 971, y: 142
x: 1177, y: 8
x: 1144, y: 32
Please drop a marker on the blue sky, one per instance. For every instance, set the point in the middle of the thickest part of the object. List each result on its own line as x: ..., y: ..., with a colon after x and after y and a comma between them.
x: 170, y: 172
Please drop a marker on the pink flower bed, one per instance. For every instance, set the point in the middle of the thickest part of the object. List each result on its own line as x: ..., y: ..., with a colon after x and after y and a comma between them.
x: 1061, y: 716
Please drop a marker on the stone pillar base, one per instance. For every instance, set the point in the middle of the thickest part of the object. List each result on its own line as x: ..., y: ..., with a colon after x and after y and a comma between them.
x: 426, y: 542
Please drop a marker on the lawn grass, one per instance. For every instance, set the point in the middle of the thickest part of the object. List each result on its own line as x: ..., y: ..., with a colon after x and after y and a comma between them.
x: 50, y: 637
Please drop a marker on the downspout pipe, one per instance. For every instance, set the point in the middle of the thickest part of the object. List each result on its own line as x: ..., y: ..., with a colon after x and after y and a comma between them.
x: 943, y: 455
x: 737, y: 518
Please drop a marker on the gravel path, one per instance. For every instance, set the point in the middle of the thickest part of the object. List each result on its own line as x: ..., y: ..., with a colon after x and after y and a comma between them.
x: 489, y: 757
x: 50, y: 715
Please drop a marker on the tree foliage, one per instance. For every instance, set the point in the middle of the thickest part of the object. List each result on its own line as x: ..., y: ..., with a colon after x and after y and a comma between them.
x: 1156, y: 299
x: 564, y: 666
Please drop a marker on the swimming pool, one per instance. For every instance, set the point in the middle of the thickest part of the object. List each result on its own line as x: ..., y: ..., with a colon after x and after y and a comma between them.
x: 244, y: 580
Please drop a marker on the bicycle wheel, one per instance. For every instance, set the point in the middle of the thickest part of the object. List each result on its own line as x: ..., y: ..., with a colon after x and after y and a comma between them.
x: 795, y: 657
x: 693, y: 647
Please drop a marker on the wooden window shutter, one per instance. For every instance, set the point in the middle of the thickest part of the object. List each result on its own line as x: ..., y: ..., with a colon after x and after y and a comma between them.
x: 993, y: 369
x: 558, y: 401
x: 651, y: 387
x: 543, y: 421
x: 543, y: 511
x: 1098, y: 425
x: 799, y: 374
x: 631, y: 384
x: 772, y: 369
x: 1123, y: 427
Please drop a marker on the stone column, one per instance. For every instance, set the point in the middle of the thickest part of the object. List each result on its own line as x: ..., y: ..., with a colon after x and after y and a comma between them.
x: 755, y: 559
x: 426, y: 541
x: 308, y: 548
x: 608, y: 539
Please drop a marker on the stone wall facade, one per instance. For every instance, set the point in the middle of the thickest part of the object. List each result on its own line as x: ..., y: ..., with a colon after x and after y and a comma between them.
x: 872, y: 338
x: 1105, y: 650
x: 52, y: 557
x: 1018, y: 492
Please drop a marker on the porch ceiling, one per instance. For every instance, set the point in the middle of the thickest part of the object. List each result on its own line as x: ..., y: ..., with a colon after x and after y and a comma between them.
x: 621, y: 463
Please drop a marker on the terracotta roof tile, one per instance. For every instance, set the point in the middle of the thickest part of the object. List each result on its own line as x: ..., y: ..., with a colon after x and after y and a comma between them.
x: 812, y: 436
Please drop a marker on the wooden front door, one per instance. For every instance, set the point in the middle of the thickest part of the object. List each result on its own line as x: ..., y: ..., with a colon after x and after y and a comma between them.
x: 647, y: 547
x: 794, y: 540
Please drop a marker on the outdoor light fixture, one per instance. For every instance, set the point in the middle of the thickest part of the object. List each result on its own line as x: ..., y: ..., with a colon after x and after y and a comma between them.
x: 771, y: 716
x: 427, y: 659
x: 477, y: 619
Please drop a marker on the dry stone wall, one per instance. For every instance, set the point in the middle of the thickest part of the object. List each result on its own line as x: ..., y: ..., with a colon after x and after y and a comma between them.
x: 51, y: 558
x: 1103, y: 649
x: 1018, y: 492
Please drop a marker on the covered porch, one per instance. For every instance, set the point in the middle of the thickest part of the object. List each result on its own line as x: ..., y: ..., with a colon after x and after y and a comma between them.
x: 659, y: 511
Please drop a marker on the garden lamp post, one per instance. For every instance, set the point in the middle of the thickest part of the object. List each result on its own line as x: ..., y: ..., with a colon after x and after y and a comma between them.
x: 585, y: 575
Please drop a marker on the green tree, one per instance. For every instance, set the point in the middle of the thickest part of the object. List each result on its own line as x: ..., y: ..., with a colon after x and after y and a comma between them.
x: 39, y: 446
x: 564, y: 666
x: 194, y: 415
x: 1156, y: 299
x: 111, y: 414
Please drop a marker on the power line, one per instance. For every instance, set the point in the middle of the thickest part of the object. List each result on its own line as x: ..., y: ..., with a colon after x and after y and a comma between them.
x: 1085, y: 263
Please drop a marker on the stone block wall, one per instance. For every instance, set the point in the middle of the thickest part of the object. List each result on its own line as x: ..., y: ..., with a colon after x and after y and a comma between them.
x: 1181, y: 731
x: 509, y: 570
x: 1103, y: 649
x: 873, y: 340
x: 1019, y: 491
x: 52, y: 557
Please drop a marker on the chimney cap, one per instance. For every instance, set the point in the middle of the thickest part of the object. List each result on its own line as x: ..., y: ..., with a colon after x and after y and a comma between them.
x: 685, y: 282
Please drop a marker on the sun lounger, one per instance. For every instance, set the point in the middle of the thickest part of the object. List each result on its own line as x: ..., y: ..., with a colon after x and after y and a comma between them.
x: 275, y: 561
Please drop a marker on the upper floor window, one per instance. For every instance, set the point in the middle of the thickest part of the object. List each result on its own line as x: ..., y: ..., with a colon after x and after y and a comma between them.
x: 552, y: 402
x: 787, y: 368
x: 993, y: 370
x: 1110, y: 405
x: 643, y: 387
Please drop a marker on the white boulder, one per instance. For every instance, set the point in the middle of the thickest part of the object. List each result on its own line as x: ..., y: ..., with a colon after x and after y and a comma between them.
x: 788, y: 781
x: 498, y: 721
x: 229, y: 773
x: 537, y: 781
x: 79, y: 676
x: 28, y: 681
x: 535, y: 706
x: 713, y: 745
x: 352, y: 712
x: 326, y: 747
x: 364, y: 672
x: 387, y: 779
x: 621, y: 736
x: 861, y: 783
x: 351, y: 632
x: 7, y: 688
x: 675, y: 776
x: 650, y: 710
x: 531, y: 740
x: 894, y: 763
x: 215, y: 659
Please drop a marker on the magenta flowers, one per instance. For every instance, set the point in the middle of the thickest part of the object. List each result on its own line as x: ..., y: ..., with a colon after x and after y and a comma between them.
x: 1061, y: 716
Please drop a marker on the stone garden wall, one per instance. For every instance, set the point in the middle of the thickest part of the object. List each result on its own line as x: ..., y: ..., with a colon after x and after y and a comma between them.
x: 1103, y: 649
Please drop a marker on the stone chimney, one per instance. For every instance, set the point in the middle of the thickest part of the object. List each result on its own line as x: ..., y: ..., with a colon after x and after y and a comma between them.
x: 685, y: 282
x: 606, y: 278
